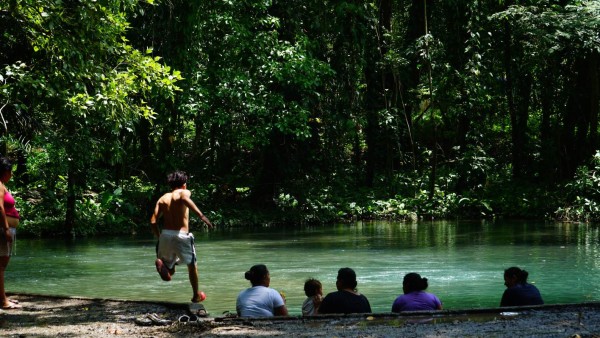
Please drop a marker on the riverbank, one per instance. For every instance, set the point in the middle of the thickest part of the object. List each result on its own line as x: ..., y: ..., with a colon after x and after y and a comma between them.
x: 46, y: 316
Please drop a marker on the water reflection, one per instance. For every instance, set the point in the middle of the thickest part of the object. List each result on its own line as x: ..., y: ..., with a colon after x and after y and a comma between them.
x: 463, y: 261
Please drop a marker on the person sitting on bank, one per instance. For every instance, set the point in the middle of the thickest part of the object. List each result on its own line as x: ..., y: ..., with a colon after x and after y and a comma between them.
x: 313, y: 289
x: 518, y: 292
x: 346, y: 299
x: 260, y: 300
x: 415, y: 298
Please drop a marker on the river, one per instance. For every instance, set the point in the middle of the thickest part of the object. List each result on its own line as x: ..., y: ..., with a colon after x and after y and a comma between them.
x: 464, y: 262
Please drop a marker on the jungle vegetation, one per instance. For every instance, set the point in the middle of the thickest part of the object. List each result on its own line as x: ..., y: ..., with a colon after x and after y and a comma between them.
x: 295, y: 112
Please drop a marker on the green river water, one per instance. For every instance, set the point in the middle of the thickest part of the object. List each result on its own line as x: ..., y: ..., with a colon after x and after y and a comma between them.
x: 464, y: 262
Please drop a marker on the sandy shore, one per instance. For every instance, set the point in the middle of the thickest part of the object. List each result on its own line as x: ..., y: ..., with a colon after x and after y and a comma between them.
x: 45, y: 316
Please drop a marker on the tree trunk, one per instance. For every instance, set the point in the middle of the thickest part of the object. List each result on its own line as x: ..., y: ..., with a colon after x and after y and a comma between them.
x: 378, y: 80
x: 580, y: 126
x: 518, y: 92
x: 265, y: 187
x: 594, y: 100
x: 410, y: 76
x: 547, y: 170
x: 71, y: 199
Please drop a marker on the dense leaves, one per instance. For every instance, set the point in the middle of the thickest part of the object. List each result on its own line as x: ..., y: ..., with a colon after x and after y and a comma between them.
x: 83, y: 87
x: 288, y: 111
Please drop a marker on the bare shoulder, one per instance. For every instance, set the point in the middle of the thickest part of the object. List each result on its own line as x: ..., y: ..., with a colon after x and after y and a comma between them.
x: 184, y: 193
x: 179, y: 195
x: 165, y: 199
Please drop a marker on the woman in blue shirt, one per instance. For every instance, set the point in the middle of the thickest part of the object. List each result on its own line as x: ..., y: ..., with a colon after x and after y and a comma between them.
x: 260, y: 300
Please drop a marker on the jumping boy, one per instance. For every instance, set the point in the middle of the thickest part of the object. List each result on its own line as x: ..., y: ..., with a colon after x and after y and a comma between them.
x: 175, y: 242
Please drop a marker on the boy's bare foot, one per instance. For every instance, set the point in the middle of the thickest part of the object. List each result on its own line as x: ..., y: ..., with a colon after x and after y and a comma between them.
x: 162, y: 269
x: 201, y: 296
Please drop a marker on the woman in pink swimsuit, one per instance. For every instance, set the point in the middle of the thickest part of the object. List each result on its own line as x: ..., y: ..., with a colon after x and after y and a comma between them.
x: 9, y: 220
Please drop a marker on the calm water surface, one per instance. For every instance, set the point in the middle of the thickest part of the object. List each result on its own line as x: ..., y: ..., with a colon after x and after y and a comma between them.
x: 463, y: 261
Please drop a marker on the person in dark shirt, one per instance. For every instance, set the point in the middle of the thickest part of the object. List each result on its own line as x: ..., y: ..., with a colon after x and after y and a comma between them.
x: 346, y: 299
x: 518, y: 292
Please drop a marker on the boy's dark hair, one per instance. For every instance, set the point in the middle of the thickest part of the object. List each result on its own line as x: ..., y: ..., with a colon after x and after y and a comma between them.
x: 311, y: 287
x: 177, y: 179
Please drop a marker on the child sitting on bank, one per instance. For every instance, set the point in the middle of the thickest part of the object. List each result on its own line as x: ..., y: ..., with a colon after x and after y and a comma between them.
x: 314, y: 293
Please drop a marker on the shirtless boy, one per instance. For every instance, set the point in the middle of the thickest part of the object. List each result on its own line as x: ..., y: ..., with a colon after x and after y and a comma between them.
x: 175, y: 242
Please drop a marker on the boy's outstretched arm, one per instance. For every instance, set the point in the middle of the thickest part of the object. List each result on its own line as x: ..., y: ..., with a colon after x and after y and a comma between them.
x: 190, y: 204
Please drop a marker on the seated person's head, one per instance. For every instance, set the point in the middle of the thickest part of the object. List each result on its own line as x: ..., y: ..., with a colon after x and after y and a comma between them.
x: 514, y: 276
x: 258, y: 275
x: 414, y: 282
x: 312, y: 287
x: 346, y: 279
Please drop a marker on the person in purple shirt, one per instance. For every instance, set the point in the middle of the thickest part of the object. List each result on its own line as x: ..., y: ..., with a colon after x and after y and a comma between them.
x: 415, y: 298
x: 518, y: 292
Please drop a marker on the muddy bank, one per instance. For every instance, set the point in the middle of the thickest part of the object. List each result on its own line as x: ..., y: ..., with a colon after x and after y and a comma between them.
x: 44, y: 316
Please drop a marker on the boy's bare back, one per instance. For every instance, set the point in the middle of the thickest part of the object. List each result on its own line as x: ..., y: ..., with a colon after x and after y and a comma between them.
x: 174, y: 209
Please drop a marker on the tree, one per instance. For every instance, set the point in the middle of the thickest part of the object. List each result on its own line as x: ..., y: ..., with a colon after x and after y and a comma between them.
x: 249, y: 93
x: 563, y: 39
x: 83, y: 84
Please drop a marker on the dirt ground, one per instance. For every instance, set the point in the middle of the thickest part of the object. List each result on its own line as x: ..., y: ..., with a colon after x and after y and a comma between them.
x: 44, y: 316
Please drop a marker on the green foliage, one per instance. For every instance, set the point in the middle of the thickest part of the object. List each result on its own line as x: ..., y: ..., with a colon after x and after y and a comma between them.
x: 297, y: 111
x: 243, y: 85
x: 473, y: 168
x: 414, y: 203
x: 83, y: 87
x: 582, y: 195
x: 116, y: 211
x: 551, y: 29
